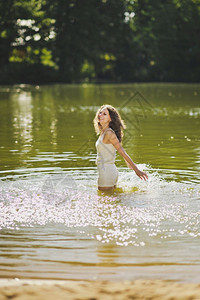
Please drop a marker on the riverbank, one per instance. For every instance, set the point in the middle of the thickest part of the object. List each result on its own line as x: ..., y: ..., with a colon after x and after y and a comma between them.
x: 98, y: 290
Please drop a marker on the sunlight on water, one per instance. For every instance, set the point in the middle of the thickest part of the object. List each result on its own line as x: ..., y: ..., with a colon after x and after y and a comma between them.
x: 138, y: 213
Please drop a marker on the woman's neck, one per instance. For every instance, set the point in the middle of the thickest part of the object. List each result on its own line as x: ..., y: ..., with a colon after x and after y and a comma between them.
x: 103, y: 129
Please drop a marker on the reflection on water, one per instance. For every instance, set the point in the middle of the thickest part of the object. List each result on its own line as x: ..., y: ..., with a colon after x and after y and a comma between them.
x: 32, y: 115
x: 22, y: 119
x: 55, y: 224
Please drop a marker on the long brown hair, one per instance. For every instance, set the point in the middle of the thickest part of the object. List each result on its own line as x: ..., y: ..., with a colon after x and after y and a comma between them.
x: 116, y: 123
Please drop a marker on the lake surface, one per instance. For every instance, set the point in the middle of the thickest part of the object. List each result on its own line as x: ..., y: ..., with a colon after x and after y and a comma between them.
x: 55, y: 224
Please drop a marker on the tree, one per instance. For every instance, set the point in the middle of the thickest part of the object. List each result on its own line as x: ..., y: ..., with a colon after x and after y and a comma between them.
x: 24, y: 31
x: 118, y: 40
x: 87, y: 30
x: 165, y: 40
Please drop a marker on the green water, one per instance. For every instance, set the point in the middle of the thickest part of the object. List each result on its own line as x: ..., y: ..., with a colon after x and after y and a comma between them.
x: 162, y: 128
x: 54, y: 223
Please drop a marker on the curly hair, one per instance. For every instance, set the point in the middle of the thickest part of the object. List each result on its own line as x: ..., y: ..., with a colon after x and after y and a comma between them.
x: 116, y: 123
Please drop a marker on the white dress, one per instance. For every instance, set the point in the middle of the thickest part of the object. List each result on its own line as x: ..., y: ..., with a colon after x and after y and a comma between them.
x: 107, y: 171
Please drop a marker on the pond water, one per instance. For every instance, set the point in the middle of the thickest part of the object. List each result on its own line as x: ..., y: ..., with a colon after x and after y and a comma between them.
x: 55, y: 224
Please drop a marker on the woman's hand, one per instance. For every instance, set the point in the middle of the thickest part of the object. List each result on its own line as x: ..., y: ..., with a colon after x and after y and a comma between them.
x: 141, y: 174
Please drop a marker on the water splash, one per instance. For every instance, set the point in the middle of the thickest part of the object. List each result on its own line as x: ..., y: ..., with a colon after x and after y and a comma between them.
x: 138, y: 214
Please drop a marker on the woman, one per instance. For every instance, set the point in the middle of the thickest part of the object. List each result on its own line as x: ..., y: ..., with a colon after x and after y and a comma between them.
x: 109, y: 125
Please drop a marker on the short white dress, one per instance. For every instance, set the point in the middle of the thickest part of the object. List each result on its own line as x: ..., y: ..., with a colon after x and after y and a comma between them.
x: 107, y: 171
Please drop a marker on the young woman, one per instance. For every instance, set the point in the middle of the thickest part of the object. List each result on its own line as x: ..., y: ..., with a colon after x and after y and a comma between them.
x: 109, y: 125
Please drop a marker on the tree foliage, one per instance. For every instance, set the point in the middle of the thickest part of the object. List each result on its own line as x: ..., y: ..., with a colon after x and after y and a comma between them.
x: 99, y: 40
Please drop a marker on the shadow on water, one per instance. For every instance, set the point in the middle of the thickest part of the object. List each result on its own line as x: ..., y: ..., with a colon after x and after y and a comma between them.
x: 117, y: 191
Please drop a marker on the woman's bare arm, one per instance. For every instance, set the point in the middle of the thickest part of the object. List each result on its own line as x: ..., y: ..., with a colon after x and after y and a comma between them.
x: 110, y: 137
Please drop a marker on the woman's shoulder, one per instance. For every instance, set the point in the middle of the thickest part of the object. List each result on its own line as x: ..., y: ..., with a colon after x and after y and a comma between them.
x: 109, y: 131
x: 110, y: 134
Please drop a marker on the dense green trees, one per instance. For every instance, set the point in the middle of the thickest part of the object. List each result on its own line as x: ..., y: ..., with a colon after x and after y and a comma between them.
x: 87, y: 34
x: 169, y: 31
x: 99, y: 40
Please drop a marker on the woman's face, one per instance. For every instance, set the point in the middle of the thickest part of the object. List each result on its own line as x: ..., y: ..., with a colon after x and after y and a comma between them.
x: 104, y: 117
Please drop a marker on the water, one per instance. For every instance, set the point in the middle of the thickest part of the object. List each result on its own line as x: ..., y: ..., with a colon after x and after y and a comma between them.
x: 55, y: 224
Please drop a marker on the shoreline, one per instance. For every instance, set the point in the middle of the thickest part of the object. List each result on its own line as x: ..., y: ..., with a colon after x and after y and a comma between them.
x: 32, y: 289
